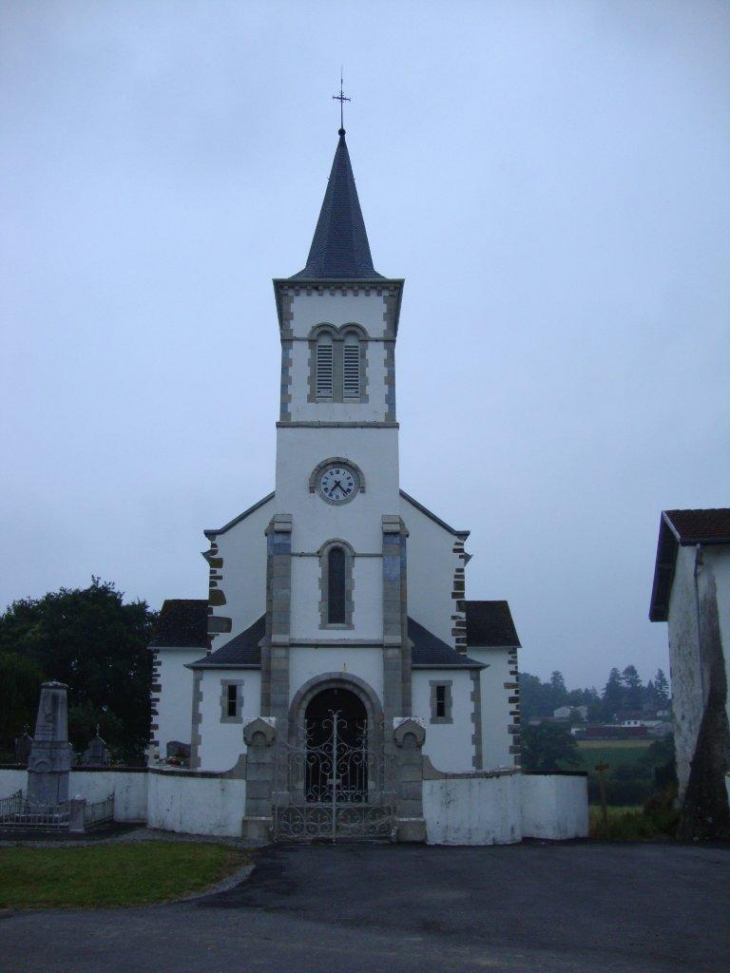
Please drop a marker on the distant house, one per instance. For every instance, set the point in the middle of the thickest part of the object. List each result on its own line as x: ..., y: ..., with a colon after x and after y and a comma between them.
x: 692, y: 593
x: 565, y: 712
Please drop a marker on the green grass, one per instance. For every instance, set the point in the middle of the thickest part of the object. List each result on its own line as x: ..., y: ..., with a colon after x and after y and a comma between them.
x: 633, y: 823
x: 92, y: 876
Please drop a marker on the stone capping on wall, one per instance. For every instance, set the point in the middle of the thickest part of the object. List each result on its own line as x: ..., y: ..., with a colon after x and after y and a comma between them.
x: 553, y: 773
x: 79, y: 769
x: 236, y: 772
x: 431, y: 773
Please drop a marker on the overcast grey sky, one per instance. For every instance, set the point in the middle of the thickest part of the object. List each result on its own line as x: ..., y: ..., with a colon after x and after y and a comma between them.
x: 551, y: 178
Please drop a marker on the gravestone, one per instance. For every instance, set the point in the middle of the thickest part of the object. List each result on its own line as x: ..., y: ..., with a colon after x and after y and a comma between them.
x: 96, y: 754
x: 23, y: 746
x: 49, y: 764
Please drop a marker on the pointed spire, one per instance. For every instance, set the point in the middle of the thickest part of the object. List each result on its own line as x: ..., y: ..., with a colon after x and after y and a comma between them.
x: 340, y: 247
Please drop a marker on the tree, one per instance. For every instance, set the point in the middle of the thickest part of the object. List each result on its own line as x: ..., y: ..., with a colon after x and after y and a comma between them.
x: 633, y: 688
x: 548, y: 745
x: 661, y: 689
x: 613, y: 695
x: 558, y: 692
x: 20, y: 684
x: 90, y: 640
x: 535, y: 697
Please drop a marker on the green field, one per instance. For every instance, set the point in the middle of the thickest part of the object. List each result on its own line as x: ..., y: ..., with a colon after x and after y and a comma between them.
x: 615, y: 753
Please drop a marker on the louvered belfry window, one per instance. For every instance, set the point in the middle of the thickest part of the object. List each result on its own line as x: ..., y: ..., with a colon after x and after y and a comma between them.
x: 325, y: 368
x: 351, y: 368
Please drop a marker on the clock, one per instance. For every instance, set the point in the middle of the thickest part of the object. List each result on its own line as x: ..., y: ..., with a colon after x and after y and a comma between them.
x: 338, y: 482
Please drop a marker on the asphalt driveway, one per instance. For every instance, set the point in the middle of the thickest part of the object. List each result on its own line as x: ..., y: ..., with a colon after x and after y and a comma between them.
x: 533, y: 907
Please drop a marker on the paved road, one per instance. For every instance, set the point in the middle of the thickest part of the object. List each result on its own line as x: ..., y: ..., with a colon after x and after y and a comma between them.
x: 531, y: 908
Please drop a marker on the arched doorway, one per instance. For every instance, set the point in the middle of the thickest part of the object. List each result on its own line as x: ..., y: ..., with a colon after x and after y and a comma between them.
x: 336, y: 732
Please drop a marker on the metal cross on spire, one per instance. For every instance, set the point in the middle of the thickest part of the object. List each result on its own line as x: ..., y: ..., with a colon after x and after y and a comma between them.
x: 342, y: 99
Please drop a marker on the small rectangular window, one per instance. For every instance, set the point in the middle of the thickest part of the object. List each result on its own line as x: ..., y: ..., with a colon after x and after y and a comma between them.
x: 441, y: 702
x: 325, y: 370
x: 232, y: 701
x: 351, y: 385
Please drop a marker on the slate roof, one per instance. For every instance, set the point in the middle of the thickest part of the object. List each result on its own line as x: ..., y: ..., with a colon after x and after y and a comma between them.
x: 242, y: 650
x: 183, y: 623
x: 682, y: 528
x: 489, y: 624
x: 430, y: 652
x: 340, y: 247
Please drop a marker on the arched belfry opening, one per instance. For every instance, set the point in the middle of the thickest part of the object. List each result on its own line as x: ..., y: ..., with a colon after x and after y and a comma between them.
x: 336, y: 730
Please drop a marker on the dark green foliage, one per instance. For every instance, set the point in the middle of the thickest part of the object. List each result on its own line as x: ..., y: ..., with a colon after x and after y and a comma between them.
x: 548, y: 746
x: 623, y: 691
x: 90, y: 640
x: 20, y: 684
x: 613, y: 696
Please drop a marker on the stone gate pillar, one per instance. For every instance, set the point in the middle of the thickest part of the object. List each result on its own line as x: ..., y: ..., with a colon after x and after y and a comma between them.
x: 409, y: 735
x: 259, y: 735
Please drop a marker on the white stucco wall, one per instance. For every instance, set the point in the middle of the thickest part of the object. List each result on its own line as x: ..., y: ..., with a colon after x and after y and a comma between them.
x: 554, y: 806
x: 174, y: 708
x: 689, y: 669
x: 367, y: 595
x: 431, y: 564
x: 194, y: 804
x: 12, y: 781
x: 222, y: 742
x: 473, y: 810
x: 128, y: 786
x: 448, y: 745
x: 243, y: 549
x: 308, y: 663
x: 337, y: 309
x: 496, y: 707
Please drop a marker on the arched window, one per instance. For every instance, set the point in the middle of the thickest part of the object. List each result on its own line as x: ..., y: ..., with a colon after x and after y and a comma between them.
x: 351, y: 366
x: 325, y: 366
x: 338, y: 364
x: 336, y: 586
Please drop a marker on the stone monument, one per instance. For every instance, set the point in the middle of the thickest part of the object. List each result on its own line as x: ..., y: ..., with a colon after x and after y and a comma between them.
x: 49, y: 764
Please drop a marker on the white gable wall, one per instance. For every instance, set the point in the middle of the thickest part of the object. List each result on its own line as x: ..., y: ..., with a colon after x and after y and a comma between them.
x: 175, y: 702
x: 243, y: 582
x: 431, y: 565
x: 496, y: 718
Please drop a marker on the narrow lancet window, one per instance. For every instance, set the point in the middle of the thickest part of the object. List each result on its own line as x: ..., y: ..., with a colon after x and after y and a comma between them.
x: 336, y: 586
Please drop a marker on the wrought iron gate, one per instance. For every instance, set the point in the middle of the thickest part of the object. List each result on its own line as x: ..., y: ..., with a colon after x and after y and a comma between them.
x: 335, y: 782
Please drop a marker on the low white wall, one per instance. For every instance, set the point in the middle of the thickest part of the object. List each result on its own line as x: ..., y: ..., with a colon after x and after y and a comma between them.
x: 12, y: 781
x: 195, y: 803
x: 129, y: 787
x: 554, y: 806
x: 473, y: 810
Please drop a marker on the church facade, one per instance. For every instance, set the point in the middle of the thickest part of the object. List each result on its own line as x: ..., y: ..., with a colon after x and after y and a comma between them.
x: 336, y: 650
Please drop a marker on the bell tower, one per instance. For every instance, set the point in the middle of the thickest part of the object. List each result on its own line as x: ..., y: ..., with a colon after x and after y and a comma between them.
x: 336, y: 575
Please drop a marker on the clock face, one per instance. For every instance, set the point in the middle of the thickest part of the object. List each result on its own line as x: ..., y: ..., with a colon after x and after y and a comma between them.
x: 338, y: 483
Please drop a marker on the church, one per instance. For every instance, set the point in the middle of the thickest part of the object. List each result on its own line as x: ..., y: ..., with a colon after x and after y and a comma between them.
x: 336, y: 661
